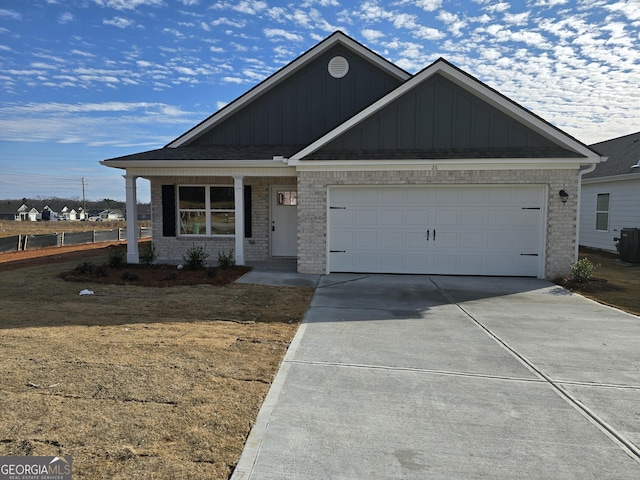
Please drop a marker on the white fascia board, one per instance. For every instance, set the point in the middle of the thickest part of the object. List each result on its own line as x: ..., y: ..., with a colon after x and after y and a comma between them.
x: 259, y: 89
x: 612, y: 178
x: 437, y: 165
x: 486, y: 94
x: 145, y: 172
x: 193, y: 163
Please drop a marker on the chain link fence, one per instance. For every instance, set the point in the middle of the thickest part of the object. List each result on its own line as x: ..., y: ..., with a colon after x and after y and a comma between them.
x: 32, y: 242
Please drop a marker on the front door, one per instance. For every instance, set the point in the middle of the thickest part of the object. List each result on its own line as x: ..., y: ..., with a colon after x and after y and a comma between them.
x: 284, y: 221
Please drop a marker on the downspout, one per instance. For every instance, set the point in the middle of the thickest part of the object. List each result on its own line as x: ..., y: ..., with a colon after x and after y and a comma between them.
x: 589, y: 169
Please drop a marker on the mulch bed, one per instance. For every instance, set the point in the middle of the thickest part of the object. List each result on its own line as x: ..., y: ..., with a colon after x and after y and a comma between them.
x: 161, y: 275
x: 591, y: 286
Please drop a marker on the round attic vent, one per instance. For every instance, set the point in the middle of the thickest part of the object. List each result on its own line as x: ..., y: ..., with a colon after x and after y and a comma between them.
x: 338, y: 67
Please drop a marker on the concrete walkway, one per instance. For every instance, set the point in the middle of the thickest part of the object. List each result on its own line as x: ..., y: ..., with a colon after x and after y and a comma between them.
x: 418, y: 377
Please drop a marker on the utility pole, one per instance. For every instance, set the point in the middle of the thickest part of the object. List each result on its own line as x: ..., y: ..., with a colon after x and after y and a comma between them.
x: 84, y: 201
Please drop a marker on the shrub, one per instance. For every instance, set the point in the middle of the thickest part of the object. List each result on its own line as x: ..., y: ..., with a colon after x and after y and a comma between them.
x: 88, y: 268
x: 195, y: 257
x: 582, y: 270
x: 149, y: 255
x: 226, y: 261
x: 129, y: 276
x: 116, y: 257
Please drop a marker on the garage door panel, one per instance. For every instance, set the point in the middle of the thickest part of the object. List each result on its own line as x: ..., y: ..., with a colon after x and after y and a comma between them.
x: 447, y: 217
x: 392, y: 240
x: 417, y: 217
x: 366, y: 216
x: 471, y: 240
x: 473, y: 217
x: 392, y: 216
x: 342, y: 217
x: 480, y: 230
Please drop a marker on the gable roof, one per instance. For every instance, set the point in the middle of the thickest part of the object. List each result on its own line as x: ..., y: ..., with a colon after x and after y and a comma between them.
x: 336, y: 39
x: 537, y: 138
x: 623, y: 153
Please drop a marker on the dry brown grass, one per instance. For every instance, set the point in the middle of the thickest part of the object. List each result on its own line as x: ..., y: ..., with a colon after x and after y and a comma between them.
x: 137, y: 382
x: 622, y: 281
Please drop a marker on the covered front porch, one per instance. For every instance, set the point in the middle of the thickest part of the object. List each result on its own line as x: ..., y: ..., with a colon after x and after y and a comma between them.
x: 253, y: 217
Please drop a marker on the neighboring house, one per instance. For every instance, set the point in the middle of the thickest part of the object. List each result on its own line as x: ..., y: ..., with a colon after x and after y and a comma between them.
x: 27, y: 214
x: 65, y: 213
x: 115, y: 214
x: 48, y: 214
x: 8, y: 213
x: 348, y: 163
x: 610, y: 199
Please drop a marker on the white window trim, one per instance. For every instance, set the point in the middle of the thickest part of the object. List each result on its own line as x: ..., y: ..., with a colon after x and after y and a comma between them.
x: 608, y: 211
x: 208, y: 211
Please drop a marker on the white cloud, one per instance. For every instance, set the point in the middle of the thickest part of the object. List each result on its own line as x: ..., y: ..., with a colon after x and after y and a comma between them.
x: 549, y: 3
x: 118, y: 22
x: 128, y: 4
x: 312, y: 19
x: 429, y: 5
x: 253, y: 75
x: 517, y: 18
x: 497, y: 7
x: 10, y: 14
x: 250, y: 7
x: 43, y: 65
x: 628, y: 8
x: 173, y: 31
x: 66, y: 17
x: 226, y: 21
x: 322, y: 3
x: 82, y: 53
x: 281, y: 33
x: 236, y: 80
x: 370, y: 11
x: 372, y: 35
x: 453, y: 21
x: 283, y: 52
x: 409, y: 22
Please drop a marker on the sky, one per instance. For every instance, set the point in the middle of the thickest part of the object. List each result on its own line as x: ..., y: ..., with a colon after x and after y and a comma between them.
x: 86, y: 80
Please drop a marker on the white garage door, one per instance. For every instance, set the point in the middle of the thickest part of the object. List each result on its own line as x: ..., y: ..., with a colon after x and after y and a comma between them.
x: 462, y: 230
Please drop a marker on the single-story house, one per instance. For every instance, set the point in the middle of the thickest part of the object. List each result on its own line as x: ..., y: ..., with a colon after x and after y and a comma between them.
x: 610, y: 199
x: 111, y: 214
x: 28, y: 214
x: 8, y: 213
x: 348, y: 163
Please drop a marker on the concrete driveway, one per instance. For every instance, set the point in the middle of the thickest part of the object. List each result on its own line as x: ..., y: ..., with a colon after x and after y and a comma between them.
x: 428, y: 377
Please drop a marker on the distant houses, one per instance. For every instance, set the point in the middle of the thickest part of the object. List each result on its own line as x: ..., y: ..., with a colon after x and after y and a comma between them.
x: 46, y: 212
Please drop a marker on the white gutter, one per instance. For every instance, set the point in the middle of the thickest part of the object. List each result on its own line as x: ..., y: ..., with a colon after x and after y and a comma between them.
x: 276, y: 162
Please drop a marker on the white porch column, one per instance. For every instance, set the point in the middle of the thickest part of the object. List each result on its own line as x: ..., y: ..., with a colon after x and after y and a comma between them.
x: 132, y: 219
x: 238, y: 189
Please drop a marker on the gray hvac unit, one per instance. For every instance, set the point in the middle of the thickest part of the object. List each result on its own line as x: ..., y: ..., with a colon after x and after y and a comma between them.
x: 630, y: 245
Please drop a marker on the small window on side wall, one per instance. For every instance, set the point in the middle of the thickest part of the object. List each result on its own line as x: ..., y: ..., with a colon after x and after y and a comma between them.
x: 602, y: 212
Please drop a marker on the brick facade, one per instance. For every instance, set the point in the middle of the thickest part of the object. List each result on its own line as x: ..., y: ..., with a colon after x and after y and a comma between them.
x: 561, y: 218
x: 312, y: 211
x: 171, y: 249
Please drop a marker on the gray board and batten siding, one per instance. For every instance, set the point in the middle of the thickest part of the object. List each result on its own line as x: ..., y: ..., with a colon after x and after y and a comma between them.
x: 440, y: 119
x: 281, y: 115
